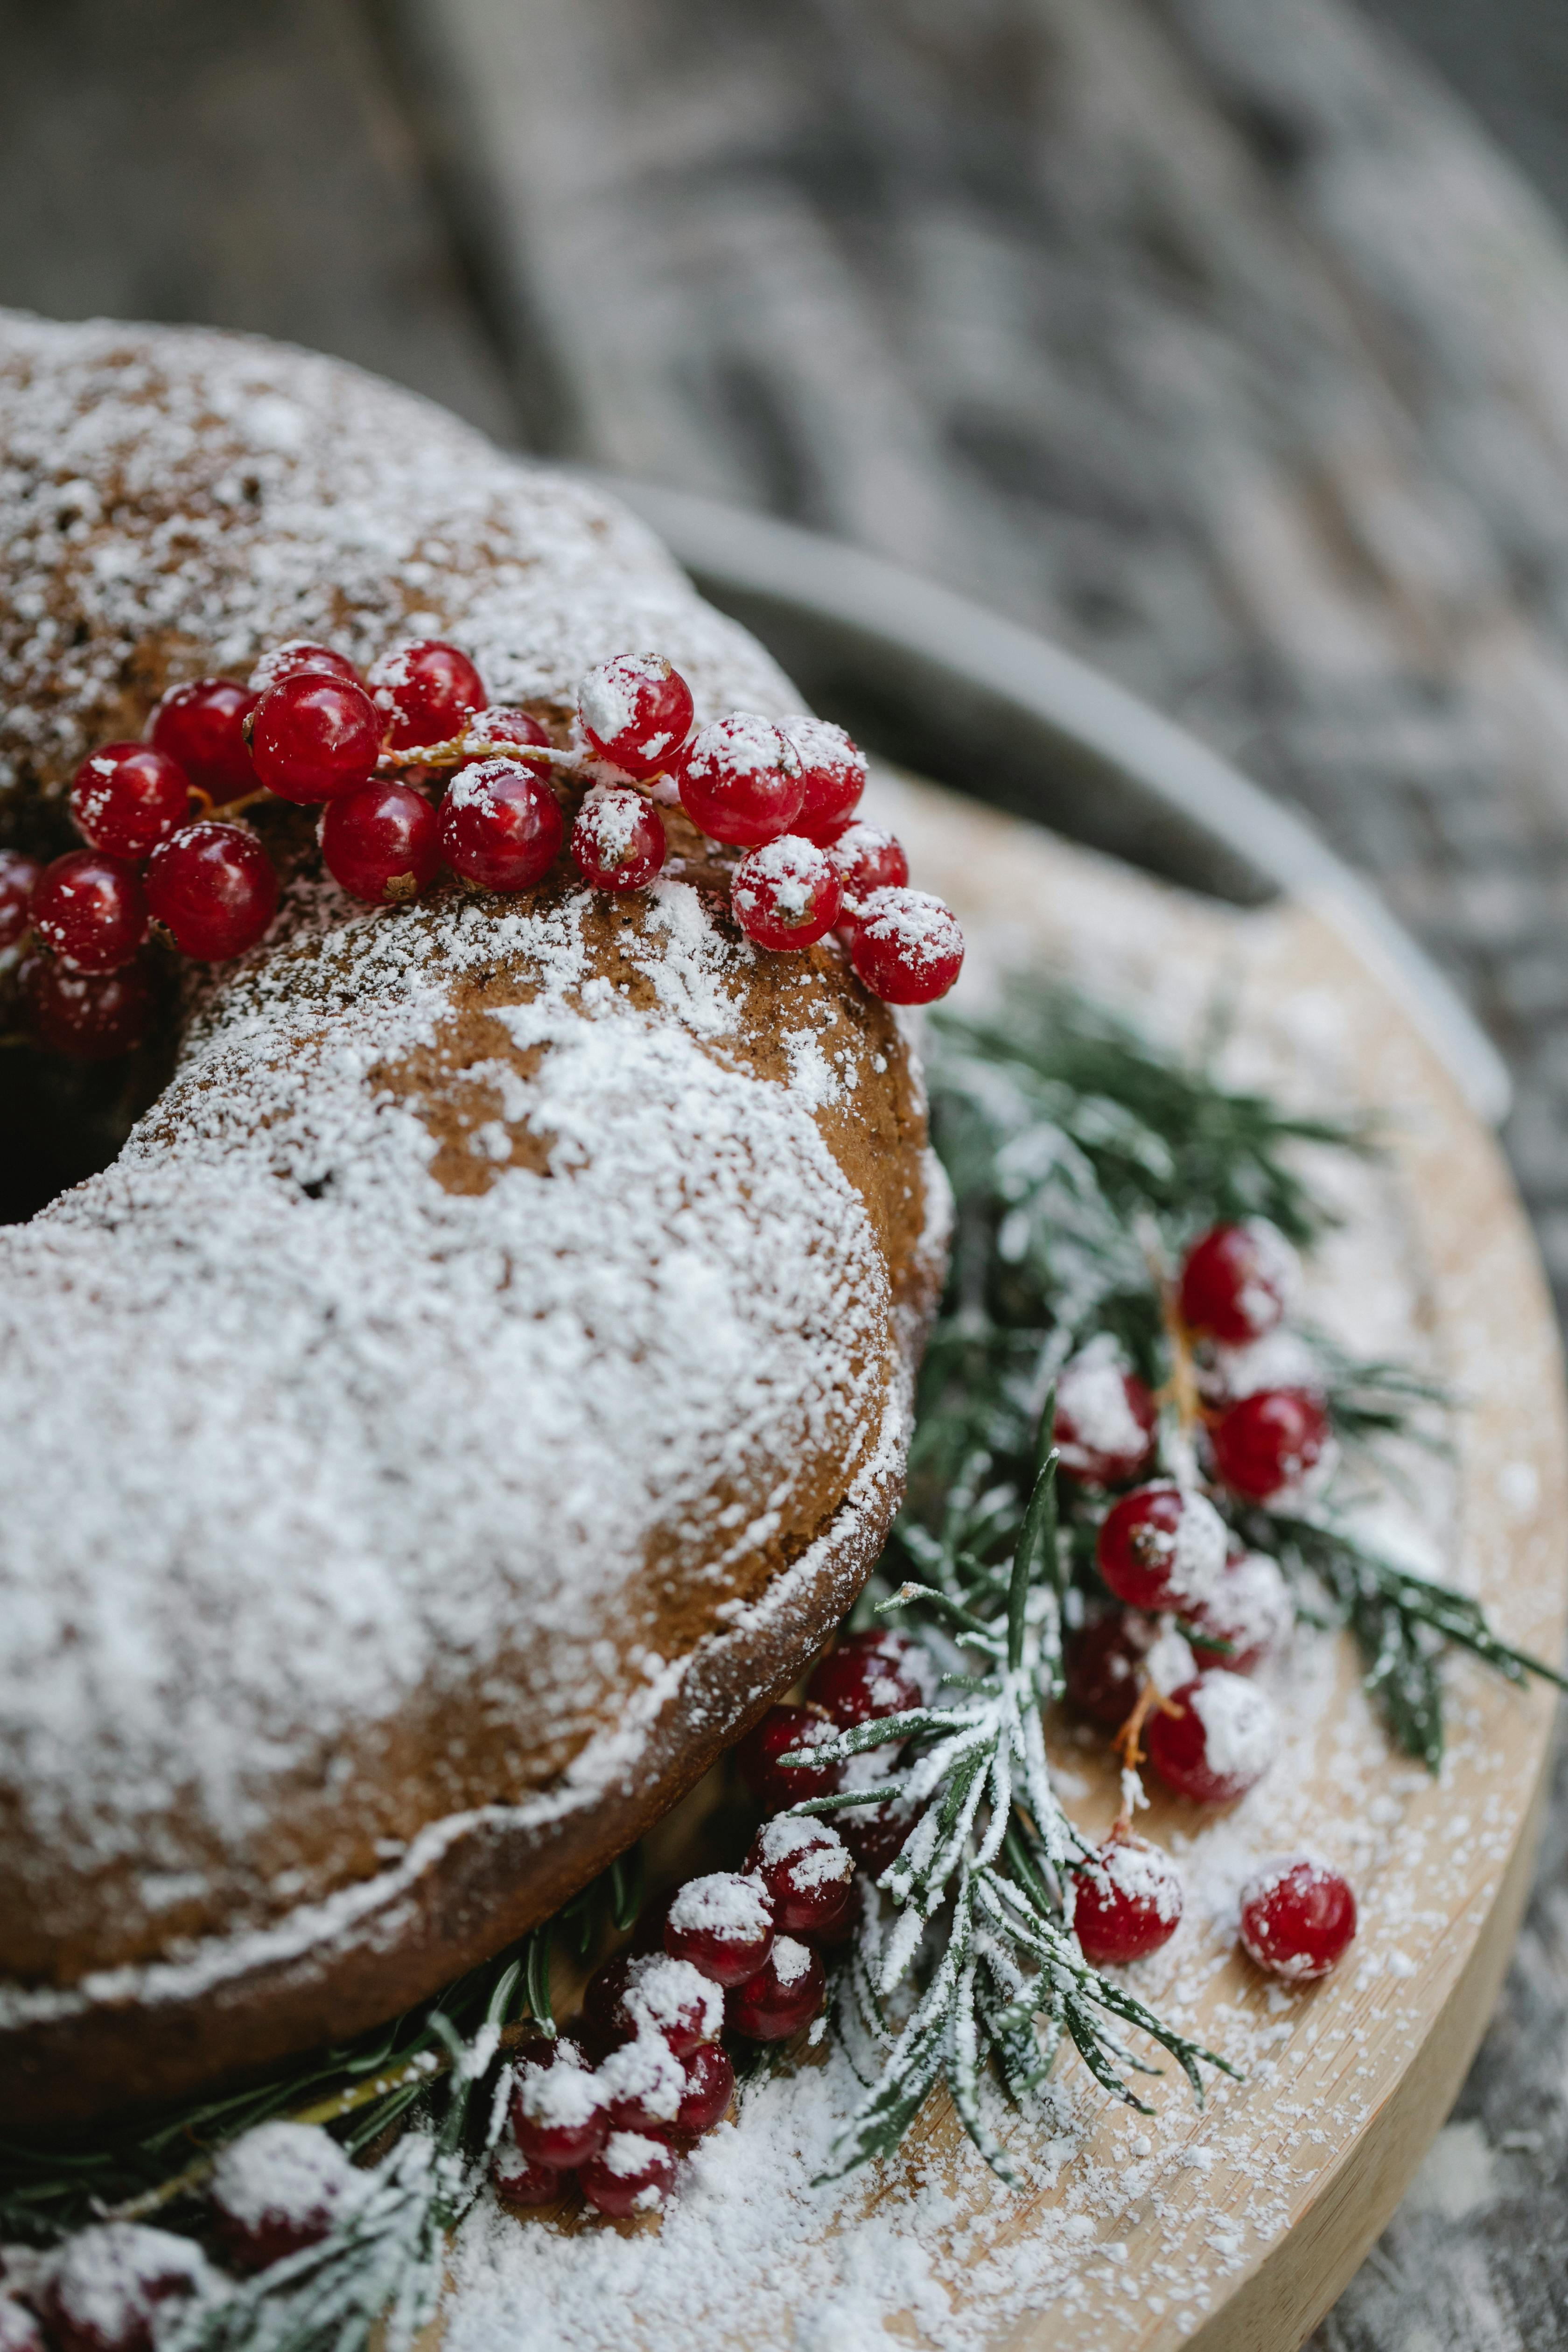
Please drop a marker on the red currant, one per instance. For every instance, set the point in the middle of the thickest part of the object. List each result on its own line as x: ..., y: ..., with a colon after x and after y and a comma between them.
x: 278, y: 2189
x: 777, y: 1786
x: 19, y: 2331
x: 669, y: 1997
x: 709, y: 2087
x: 128, y: 798
x: 833, y: 769
x: 214, y: 889
x: 723, y: 1924
x: 617, y: 842
x: 785, y: 1994
x: 1269, y: 1440
x: 874, y: 1834
x: 314, y: 737
x: 907, y: 947
x: 1237, y: 1281
x: 870, y: 1676
x: 1128, y: 1901
x: 631, y: 2174
x: 869, y: 857
x: 296, y: 656
x: 785, y: 894
x: 741, y: 780
x: 110, y: 2281
x: 90, y: 909
x: 1250, y: 1611
x: 1217, y: 1741
x: 1296, y: 1917
x: 503, y: 724
x: 500, y: 826
x: 426, y: 693
x: 1162, y: 1547
x: 1105, y: 1419
x: 558, y: 2113
x: 642, y: 2084
x: 636, y: 712
x: 201, y: 727
x: 17, y: 875
x: 519, y: 2183
x: 91, y: 1016
x: 381, y: 843
x: 1100, y: 1667
x: 808, y: 1871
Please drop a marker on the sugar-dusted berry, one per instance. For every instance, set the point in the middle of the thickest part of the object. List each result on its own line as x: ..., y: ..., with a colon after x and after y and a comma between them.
x: 1247, y: 1617
x: 519, y: 2183
x: 868, y: 857
x: 381, y: 843
x: 617, y: 841
x: 213, y: 887
x: 785, y: 893
x: 1101, y: 1665
x: 1269, y: 1441
x: 1161, y: 1547
x: 777, y: 1785
x: 833, y: 768
x: 90, y: 910
x: 501, y: 824
x: 808, y: 1871
x: 1105, y: 1417
x: 504, y: 724
x: 314, y: 737
x: 642, y: 2084
x: 90, y: 1016
x: 426, y: 693
x: 741, y: 780
x: 870, y: 1674
x: 1216, y: 1740
x: 19, y: 2329
x: 629, y: 1993
x: 1127, y: 1901
x: 1298, y: 1915
x: 723, y: 1924
x: 294, y: 657
x: 18, y: 874
x: 636, y: 712
x: 633, y: 2173
x: 907, y: 947
x: 786, y: 1993
x: 277, y: 2190
x: 1237, y: 1281
x: 201, y: 726
x: 108, y: 2282
x: 709, y: 2087
x: 558, y: 2115
x: 874, y: 1834
x: 127, y: 797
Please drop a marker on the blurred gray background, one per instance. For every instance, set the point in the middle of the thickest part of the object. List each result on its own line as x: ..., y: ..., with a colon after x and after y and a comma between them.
x: 1225, y: 340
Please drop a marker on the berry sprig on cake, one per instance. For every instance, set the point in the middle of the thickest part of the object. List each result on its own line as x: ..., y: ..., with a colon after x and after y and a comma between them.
x: 414, y: 768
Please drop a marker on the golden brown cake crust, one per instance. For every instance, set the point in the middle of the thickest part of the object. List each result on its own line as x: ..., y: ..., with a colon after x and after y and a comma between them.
x: 482, y: 1382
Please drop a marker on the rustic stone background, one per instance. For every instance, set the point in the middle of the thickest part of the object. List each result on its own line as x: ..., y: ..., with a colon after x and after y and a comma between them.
x: 1216, y: 337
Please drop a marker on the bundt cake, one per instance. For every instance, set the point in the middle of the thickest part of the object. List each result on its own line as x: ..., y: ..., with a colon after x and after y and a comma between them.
x: 481, y: 1381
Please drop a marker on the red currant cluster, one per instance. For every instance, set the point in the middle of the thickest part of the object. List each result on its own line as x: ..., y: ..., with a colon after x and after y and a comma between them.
x: 371, y: 753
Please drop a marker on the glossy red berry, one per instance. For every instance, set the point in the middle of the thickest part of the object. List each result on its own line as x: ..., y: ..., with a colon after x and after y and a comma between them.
x: 785, y: 894
x: 1100, y: 1667
x: 636, y: 712
x: 381, y: 843
x: 1105, y: 1419
x: 90, y: 910
x: 1217, y: 1742
x: 500, y: 826
x: 520, y: 2184
x: 108, y: 2282
x: 1296, y: 1917
x: 1269, y: 1440
x: 709, y: 2087
x: 213, y: 889
x: 808, y: 1871
x: 776, y: 1785
x: 91, y: 1016
x: 869, y: 857
x: 128, y: 798
x: 651, y: 1992
x: 1237, y: 1281
x: 426, y: 693
x: 1127, y: 1901
x: 294, y: 659
x: 1250, y: 1613
x: 17, y: 875
x: 907, y: 947
x: 874, y: 1834
x: 834, y: 770
x: 868, y: 1675
x: 277, y: 2190
x: 632, y: 2174
x: 314, y: 737
x: 558, y: 2113
x: 723, y: 1924
x: 741, y: 780
x: 785, y: 1994
x: 617, y: 842
x: 503, y: 724
x: 202, y: 727
x: 1161, y: 1547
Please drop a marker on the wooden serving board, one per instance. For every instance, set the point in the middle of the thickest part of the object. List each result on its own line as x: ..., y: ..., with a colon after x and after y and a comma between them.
x: 1233, y: 2229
